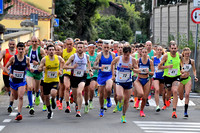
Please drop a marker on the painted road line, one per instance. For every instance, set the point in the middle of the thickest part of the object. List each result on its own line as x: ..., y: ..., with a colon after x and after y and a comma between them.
x: 1, y: 128
x: 16, y: 108
x: 182, y: 102
x: 158, y: 125
x: 170, y: 129
x: 161, y: 131
x: 7, y: 120
x: 13, y: 114
x: 161, y: 122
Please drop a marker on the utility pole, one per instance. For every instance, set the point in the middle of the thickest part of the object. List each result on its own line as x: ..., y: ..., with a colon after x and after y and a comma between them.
x: 52, y: 19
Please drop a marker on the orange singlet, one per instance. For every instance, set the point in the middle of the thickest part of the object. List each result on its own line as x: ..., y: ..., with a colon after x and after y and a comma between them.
x: 7, y: 58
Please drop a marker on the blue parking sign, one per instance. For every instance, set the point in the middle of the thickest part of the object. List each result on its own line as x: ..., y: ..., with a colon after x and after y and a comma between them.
x: 1, y: 6
x: 56, y: 22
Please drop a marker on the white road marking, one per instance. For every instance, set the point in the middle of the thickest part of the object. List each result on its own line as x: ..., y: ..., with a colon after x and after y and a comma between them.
x: 16, y: 108
x: 182, y: 102
x: 161, y: 131
x: 7, y: 120
x: 167, y: 122
x: 1, y: 128
x: 13, y: 114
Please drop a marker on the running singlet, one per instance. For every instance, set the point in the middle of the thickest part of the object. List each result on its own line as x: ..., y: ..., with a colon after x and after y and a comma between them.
x: 136, y: 57
x: 66, y: 56
x: 175, y: 71
x: 187, y: 67
x: 158, y: 73
x: 34, y: 56
x: 80, y: 70
x: 151, y: 54
x: 92, y: 60
x: 7, y: 58
x: 18, y: 70
x: 51, y: 73
x: 107, y: 63
x: 144, y: 67
x: 123, y: 74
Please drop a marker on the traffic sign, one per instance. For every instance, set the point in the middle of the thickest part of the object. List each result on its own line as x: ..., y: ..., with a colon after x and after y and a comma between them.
x: 1, y: 6
x: 34, y: 18
x: 138, y: 32
x: 195, y: 15
x: 196, y: 3
x: 56, y: 22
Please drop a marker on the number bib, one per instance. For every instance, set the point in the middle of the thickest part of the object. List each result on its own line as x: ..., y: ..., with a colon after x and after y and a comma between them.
x: 52, y: 74
x: 107, y: 68
x: 124, y: 75
x: 78, y: 73
x: 187, y: 67
x: 144, y: 70
x: 18, y: 74
x: 34, y: 67
x: 173, y: 72
x: 158, y: 70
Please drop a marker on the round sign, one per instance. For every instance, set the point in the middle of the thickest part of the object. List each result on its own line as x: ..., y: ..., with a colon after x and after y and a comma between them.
x: 195, y: 15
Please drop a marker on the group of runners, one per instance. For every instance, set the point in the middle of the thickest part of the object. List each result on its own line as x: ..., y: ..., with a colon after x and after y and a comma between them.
x: 73, y: 69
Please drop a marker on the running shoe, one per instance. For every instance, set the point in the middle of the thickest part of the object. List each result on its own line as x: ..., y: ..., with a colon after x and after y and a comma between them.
x: 157, y: 109
x: 90, y: 105
x: 18, y: 117
x: 86, y: 110
x: 50, y: 115
x: 68, y: 109
x: 119, y: 106
x: 37, y: 101
x: 58, y: 103
x: 115, y: 110
x: 164, y: 107
x: 28, y: 106
x: 31, y: 111
x: 78, y: 114
x: 131, y: 100
x: 44, y: 107
x: 139, y: 106
x: 105, y: 107
x: 123, y: 119
x: 109, y: 104
x: 61, y: 107
x: 174, y: 115
x: 101, y: 114
x: 136, y: 105
x: 10, y: 109
x: 147, y: 103
x: 142, y: 114
x: 185, y: 115
x: 53, y: 104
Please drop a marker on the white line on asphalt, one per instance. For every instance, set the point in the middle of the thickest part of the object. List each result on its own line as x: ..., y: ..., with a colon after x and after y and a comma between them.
x: 161, y: 122
x: 153, y: 131
x: 13, y: 114
x: 1, y: 128
x: 7, y: 120
x: 16, y: 108
x: 172, y: 129
x: 158, y: 125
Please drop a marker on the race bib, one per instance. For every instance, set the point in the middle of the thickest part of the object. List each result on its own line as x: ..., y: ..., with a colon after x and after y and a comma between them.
x: 34, y: 67
x: 187, y: 67
x: 124, y: 75
x: 144, y: 70
x: 52, y: 74
x: 78, y: 73
x: 158, y: 70
x: 107, y: 68
x: 18, y: 74
x: 173, y: 72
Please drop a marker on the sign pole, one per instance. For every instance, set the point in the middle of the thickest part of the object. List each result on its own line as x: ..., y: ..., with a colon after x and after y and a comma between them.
x: 195, y: 55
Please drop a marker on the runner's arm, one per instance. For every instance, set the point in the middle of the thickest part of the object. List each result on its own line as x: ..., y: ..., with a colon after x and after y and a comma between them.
x: 26, y: 51
x: 10, y: 62
x: 42, y: 64
x: 136, y: 68
x: 89, y: 66
x: 164, y: 59
x: 69, y: 61
x: 113, y: 65
x: 194, y: 69
x: 96, y: 63
x: 28, y: 62
x: 2, y: 55
x: 42, y: 52
x: 152, y: 68
x: 62, y: 62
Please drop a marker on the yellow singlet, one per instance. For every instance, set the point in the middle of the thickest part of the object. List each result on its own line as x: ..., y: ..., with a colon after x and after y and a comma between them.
x: 51, y: 70
x: 66, y: 56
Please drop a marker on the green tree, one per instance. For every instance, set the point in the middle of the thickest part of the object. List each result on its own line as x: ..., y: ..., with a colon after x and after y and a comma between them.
x: 110, y: 27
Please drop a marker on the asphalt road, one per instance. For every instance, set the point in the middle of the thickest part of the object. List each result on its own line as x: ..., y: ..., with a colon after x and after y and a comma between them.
x: 92, y: 123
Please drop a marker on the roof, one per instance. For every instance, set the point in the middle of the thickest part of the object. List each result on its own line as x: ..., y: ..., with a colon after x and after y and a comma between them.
x: 22, y: 9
